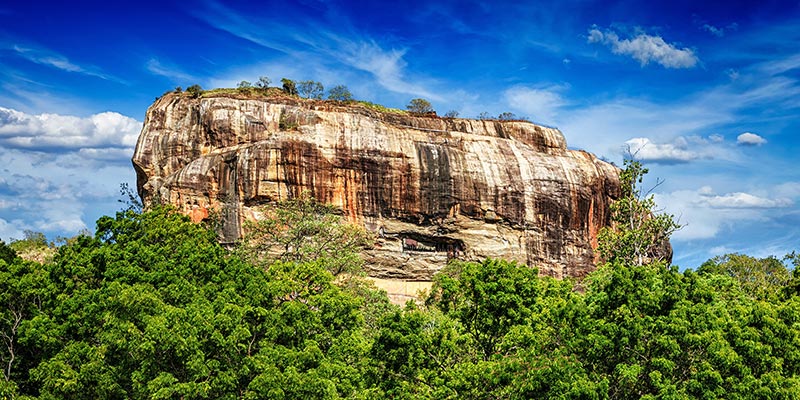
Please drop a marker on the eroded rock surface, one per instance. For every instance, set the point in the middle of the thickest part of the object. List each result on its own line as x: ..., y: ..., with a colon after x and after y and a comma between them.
x: 430, y: 188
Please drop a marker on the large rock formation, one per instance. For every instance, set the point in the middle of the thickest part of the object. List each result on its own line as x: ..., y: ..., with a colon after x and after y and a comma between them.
x: 430, y: 188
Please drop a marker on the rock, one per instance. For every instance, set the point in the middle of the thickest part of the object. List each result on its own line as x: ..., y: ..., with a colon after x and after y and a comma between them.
x: 431, y: 189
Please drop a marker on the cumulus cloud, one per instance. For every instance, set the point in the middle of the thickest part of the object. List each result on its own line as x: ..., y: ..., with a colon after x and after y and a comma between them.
x: 645, y: 150
x: 54, y: 131
x: 706, y: 213
x: 745, y: 200
x: 645, y: 49
x: 539, y: 104
x: 682, y: 149
x: 750, y: 139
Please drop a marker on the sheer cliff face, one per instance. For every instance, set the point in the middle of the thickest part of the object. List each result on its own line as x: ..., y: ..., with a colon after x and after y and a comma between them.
x: 429, y: 188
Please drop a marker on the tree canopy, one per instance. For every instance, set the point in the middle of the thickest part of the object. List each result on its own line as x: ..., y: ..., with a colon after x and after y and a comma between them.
x: 152, y: 306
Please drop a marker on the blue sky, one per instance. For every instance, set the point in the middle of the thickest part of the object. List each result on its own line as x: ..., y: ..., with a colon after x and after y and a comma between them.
x: 707, y: 95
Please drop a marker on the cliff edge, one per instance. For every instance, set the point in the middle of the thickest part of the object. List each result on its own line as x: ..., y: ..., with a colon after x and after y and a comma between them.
x: 430, y: 188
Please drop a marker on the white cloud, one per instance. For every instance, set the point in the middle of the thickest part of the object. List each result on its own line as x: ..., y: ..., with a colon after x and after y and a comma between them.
x: 645, y: 49
x: 539, y: 104
x: 9, y: 231
x: 750, y: 139
x: 746, y: 200
x: 706, y: 213
x: 645, y: 150
x: 54, y: 131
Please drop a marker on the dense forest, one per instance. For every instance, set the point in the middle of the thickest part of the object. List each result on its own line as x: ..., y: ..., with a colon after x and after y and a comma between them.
x: 152, y: 306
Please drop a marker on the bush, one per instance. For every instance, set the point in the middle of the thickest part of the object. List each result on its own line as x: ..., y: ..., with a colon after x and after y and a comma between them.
x: 451, y: 114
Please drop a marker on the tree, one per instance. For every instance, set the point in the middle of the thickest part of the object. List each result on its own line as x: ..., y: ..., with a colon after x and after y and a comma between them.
x: 311, y: 89
x: 451, y: 114
x: 419, y: 106
x: 263, y: 82
x: 484, y: 115
x: 7, y: 254
x: 195, y: 91
x: 489, y: 298
x: 639, y: 234
x: 289, y: 87
x: 303, y: 230
x: 507, y: 116
x: 340, y: 93
x: 759, y: 277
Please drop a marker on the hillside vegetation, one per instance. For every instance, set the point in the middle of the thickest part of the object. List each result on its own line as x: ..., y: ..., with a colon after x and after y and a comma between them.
x: 152, y: 306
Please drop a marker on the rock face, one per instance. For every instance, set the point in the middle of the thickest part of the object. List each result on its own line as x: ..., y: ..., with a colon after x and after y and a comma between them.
x: 430, y: 188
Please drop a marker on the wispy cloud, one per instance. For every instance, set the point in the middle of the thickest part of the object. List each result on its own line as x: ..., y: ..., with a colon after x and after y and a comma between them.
x: 55, y: 60
x: 324, y: 45
x: 169, y: 71
x: 645, y: 49
x: 541, y: 104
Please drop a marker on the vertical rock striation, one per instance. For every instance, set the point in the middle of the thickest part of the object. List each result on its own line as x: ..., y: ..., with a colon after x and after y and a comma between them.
x: 430, y: 188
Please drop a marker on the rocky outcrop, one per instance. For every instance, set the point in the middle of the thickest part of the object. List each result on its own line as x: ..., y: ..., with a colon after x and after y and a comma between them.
x: 430, y: 188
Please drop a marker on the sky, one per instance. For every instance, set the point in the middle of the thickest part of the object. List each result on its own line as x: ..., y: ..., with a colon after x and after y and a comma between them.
x: 705, y: 94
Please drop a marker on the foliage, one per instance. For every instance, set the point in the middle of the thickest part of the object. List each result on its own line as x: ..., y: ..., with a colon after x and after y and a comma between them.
x: 451, y: 114
x: 244, y: 85
x: 7, y: 253
x: 31, y: 241
x: 153, y: 307
x: 340, y: 93
x: 304, y: 230
x: 310, y: 89
x: 484, y: 115
x: 419, y: 106
x: 507, y: 116
x: 760, y: 278
x: 194, y: 91
x: 263, y: 82
x: 380, y: 108
x: 289, y: 87
x: 639, y: 233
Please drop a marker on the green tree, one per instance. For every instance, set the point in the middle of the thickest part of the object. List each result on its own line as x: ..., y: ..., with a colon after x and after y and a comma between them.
x: 263, y: 82
x: 244, y: 85
x: 304, y: 230
x: 760, y: 278
x: 194, y: 91
x: 639, y: 234
x: 451, y: 114
x: 7, y: 253
x: 340, y: 93
x: 484, y: 115
x: 419, y: 106
x: 507, y: 116
x: 289, y: 87
x: 310, y: 89
x: 487, y: 298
